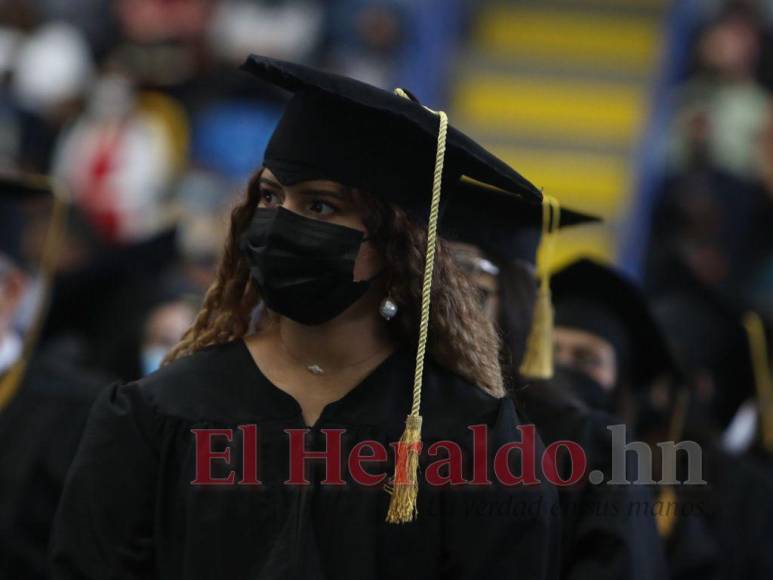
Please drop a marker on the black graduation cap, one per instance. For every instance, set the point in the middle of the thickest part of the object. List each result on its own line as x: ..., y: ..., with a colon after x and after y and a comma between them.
x: 19, y: 194
x: 598, y: 299
x: 347, y: 131
x: 505, y: 226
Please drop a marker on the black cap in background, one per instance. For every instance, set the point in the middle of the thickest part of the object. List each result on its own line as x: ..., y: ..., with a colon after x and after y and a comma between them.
x: 504, y: 226
x: 25, y: 201
x: 598, y: 299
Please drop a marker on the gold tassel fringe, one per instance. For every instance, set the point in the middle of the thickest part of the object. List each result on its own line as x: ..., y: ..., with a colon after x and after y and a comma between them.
x: 538, y: 360
x: 665, y: 519
x: 405, y: 487
x: 763, y: 380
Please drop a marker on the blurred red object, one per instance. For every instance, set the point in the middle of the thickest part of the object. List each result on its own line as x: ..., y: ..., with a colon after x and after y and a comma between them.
x: 159, y: 20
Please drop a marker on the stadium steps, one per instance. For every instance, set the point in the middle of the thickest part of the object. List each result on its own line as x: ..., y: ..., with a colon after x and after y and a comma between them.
x: 560, y: 89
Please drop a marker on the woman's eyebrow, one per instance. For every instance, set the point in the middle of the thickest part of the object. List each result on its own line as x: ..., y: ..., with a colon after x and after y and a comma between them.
x: 310, y: 190
x: 313, y: 190
x: 271, y: 182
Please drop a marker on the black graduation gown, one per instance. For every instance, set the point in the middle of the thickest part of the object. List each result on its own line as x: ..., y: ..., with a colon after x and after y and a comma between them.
x: 608, y: 530
x: 129, y: 509
x: 725, y: 528
x: 737, y: 504
x: 691, y: 551
x: 39, y: 433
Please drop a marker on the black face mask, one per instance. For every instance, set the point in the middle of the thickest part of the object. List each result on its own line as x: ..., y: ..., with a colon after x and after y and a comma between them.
x: 586, y: 389
x: 303, y: 267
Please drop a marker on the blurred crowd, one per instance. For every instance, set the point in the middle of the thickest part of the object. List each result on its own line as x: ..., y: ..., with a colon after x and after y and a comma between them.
x: 714, y: 206
x: 709, y: 266
x: 136, y: 106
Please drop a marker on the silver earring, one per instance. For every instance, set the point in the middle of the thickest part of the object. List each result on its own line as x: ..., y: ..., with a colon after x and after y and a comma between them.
x: 388, y: 308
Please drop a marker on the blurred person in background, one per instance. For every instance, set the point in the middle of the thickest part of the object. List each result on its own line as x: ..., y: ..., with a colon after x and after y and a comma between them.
x: 714, y: 346
x: 367, y: 39
x: 716, y: 225
x: 605, y: 330
x: 44, y: 397
x: 119, y: 160
x: 111, y: 287
x: 721, y: 410
x: 287, y: 29
x: 734, y: 107
x: 95, y: 19
x: 204, y: 199
x: 150, y: 21
x: 162, y: 330
x: 715, y: 204
x: 50, y: 74
x: 600, y: 537
x: 151, y: 326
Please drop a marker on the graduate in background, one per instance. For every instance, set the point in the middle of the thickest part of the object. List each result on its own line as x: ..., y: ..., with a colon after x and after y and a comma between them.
x: 605, y: 330
x: 601, y: 537
x: 44, y: 400
x: 318, y: 319
x: 716, y: 349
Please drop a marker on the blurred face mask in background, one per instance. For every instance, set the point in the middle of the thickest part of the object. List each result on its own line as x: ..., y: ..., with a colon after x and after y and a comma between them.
x: 151, y: 357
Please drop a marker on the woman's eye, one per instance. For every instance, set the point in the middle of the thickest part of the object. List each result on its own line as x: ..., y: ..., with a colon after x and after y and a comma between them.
x: 269, y: 198
x: 321, y: 207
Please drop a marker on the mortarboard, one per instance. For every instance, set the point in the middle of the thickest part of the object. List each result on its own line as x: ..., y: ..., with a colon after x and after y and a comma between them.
x: 596, y: 298
x: 387, y: 144
x: 347, y: 131
x: 512, y: 228
x: 17, y: 194
x: 507, y: 227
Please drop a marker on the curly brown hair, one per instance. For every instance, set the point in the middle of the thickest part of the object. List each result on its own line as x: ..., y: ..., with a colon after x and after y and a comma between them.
x: 461, y: 338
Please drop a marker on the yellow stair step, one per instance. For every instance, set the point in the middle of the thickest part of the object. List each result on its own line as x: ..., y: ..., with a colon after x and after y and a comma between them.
x: 596, y: 241
x: 650, y: 4
x: 595, y: 182
x: 598, y: 112
x: 584, y: 37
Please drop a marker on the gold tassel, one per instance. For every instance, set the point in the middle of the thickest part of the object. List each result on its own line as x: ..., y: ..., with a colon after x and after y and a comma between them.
x: 665, y: 518
x: 762, y: 376
x: 538, y: 358
x: 11, y: 382
x: 405, y: 491
x: 405, y: 486
x: 537, y: 361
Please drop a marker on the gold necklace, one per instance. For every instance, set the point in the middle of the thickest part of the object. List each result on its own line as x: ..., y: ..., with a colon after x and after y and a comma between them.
x: 315, y: 368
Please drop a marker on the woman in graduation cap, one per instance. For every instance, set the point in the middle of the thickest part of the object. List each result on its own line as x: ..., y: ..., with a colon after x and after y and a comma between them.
x: 317, y: 335
x: 599, y: 537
